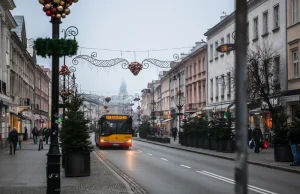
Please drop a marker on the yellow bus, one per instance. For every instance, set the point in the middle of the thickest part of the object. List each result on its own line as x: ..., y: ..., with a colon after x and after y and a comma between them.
x: 114, y: 131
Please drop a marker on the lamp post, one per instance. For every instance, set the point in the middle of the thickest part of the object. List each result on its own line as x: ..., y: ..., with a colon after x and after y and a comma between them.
x: 152, y: 106
x: 70, y: 31
x: 179, y: 99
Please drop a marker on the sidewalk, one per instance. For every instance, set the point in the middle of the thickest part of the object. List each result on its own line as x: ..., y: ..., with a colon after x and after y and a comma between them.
x: 264, y: 158
x: 25, y: 173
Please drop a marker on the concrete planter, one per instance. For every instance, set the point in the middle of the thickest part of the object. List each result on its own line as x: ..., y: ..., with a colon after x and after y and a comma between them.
x: 77, y: 164
x: 282, y: 153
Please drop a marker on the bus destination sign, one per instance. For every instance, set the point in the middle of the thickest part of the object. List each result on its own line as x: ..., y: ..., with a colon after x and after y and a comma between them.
x: 224, y: 48
x: 116, y: 117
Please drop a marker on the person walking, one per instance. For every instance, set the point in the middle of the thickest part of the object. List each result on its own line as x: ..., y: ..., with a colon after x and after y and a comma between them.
x: 41, y: 136
x: 174, y: 133
x: 13, y: 140
x: 294, y: 138
x: 249, y: 134
x: 257, y: 137
x: 47, y: 134
x: 34, y: 134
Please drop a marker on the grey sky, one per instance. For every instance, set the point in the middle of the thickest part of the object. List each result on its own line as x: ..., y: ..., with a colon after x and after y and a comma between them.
x: 127, y: 25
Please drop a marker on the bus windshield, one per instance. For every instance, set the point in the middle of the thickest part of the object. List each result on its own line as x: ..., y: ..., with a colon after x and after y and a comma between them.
x: 115, y: 127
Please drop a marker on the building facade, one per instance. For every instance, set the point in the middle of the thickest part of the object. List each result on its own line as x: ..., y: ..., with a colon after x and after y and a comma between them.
x: 21, y: 79
x: 7, y: 23
x: 292, y: 95
x: 195, y: 79
x: 266, y: 29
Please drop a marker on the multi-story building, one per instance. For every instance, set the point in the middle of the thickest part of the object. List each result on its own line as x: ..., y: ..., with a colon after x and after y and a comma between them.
x: 266, y: 26
x: 292, y: 95
x: 195, y: 79
x: 21, y: 79
x: 7, y: 22
x: 48, y: 72
x: 41, y: 98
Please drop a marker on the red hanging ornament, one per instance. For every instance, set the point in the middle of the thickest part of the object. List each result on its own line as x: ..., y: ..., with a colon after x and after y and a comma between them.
x: 135, y: 68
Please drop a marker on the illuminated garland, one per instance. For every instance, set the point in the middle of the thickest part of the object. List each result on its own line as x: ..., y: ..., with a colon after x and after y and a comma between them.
x: 62, y: 47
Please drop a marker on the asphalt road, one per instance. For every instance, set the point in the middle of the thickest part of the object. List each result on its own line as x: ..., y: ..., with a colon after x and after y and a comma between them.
x: 161, y: 170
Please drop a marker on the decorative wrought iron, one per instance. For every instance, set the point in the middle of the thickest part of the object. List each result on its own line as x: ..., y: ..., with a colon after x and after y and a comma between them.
x: 179, y: 100
x: 70, y: 31
x: 134, y: 67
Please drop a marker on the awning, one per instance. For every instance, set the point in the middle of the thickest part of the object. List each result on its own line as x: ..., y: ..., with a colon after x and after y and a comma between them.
x: 20, y: 116
x: 196, y: 113
x: 164, y: 121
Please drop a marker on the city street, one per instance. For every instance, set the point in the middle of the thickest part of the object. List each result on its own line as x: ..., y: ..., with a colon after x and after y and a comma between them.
x: 161, y: 170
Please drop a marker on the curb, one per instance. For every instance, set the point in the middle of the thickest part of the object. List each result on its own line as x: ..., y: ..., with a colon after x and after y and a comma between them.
x: 224, y: 157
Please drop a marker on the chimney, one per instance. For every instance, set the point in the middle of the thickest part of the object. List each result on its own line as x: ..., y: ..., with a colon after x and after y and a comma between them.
x: 223, y: 17
x: 183, y: 55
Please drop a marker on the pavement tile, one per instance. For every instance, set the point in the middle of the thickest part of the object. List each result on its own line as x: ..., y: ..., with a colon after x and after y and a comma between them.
x: 25, y: 173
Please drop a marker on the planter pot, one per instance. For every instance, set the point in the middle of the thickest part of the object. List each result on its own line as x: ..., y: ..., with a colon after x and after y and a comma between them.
x: 167, y: 140
x: 212, y: 145
x: 194, y: 142
x: 189, y: 141
x: 63, y: 159
x: 282, y: 153
x: 228, y: 146
x: 206, y: 143
x: 198, y: 142
x: 184, y: 140
x: 219, y: 146
x: 77, y: 164
x: 180, y: 137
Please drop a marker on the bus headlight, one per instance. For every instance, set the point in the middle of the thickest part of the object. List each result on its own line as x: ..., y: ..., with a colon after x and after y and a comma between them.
x: 103, y: 140
x: 128, y: 141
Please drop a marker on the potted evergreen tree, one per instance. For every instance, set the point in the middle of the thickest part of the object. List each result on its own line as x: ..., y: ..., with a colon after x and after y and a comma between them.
x: 75, y: 140
x: 282, y: 150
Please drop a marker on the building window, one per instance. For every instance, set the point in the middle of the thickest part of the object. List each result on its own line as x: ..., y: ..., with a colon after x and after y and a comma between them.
x: 195, y: 69
x: 294, y: 11
x: 277, y: 65
x: 276, y: 16
x: 247, y: 32
x: 199, y: 66
x: 222, y: 42
x: 211, y: 52
x: 228, y: 38
x: 217, y: 87
x: 216, y: 52
x: 187, y: 71
x: 223, y: 85
x: 191, y: 71
x: 229, y: 83
x: 295, y: 64
x: 255, y: 27
x: 203, y: 64
x: 265, y: 22
x: 211, y: 88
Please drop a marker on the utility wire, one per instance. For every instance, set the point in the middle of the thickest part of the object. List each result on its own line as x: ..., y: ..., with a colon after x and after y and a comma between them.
x: 140, y: 51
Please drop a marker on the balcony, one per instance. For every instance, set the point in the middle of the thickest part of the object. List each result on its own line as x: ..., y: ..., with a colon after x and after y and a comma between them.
x: 8, y: 4
x: 193, y: 107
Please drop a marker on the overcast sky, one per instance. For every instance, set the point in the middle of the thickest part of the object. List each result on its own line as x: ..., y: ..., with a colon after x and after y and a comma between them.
x: 127, y: 25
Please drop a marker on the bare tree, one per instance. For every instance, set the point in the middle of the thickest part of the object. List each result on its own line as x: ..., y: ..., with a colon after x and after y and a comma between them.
x: 262, y: 73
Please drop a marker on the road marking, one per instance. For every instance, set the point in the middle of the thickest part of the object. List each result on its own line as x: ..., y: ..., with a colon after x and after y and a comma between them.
x: 250, y: 187
x: 164, y: 159
x: 185, y: 166
x: 149, y: 154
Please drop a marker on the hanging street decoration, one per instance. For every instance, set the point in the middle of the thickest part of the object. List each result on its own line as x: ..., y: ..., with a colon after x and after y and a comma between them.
x: 105, y: 107
x: 64, y: 70
x: 107, y: 99
x: 57, y: 8
x: 134, y: 67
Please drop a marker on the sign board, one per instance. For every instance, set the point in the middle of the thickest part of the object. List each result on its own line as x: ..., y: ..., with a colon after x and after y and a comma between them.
x: 224, y: 48
x: 116, y: 117
x: 292, y: 98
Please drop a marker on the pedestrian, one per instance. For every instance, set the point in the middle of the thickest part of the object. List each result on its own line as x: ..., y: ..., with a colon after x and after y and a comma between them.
x: 34, y: 134
x: 41, y: 136
x: 13, y: 140
x: 174, y: 133
x: 162, y: 132
x: 294, y: 138
x: 257, y: 137
x: 249, y: 134
x: 158, y: 131
x: 47, y: 134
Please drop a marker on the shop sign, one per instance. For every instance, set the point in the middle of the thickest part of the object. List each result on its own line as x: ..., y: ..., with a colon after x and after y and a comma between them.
x: 291, y: 98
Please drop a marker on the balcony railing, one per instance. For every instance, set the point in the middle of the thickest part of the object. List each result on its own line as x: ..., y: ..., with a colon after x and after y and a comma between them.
x: 193, y: 107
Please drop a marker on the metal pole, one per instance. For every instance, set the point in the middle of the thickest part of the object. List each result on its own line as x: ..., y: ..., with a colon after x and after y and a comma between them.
x: 179, y: 108
x: 241, y: 168
x: 53, y: 156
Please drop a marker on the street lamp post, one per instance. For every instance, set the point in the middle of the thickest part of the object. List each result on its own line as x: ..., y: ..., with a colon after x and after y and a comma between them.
x: 53, y: 156
x: 179, y: 98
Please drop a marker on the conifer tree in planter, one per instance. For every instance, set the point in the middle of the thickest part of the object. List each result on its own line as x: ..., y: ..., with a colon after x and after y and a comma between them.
x: 75, y: 140
x: 282, y: 151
